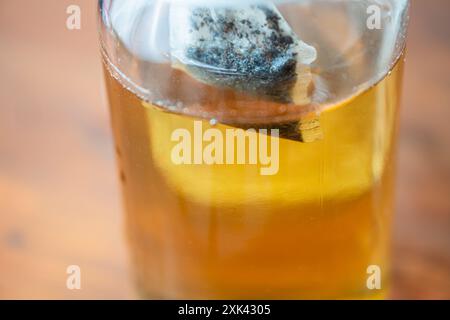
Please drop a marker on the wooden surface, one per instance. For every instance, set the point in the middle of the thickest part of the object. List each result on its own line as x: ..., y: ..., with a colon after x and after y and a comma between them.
x: 59, y: 194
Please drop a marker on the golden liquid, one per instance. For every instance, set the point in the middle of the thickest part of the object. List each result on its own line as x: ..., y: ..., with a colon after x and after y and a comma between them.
x: 225, y: 231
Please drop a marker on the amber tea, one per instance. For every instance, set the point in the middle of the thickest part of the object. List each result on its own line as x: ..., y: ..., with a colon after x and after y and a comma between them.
x: 256, y: 144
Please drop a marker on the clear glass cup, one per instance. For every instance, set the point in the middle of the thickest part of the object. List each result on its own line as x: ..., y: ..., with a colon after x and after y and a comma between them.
x: 256, y: 143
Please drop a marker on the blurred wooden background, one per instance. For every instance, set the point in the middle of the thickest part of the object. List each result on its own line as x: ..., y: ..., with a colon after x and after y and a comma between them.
x: 59, y: 194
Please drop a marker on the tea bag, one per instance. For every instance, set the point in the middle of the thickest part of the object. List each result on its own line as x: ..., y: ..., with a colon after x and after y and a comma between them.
x: 246, y: 46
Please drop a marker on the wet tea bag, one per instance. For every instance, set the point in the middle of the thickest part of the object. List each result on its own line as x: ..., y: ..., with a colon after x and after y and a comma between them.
x: 247, y: 46
x: 242, y: 45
